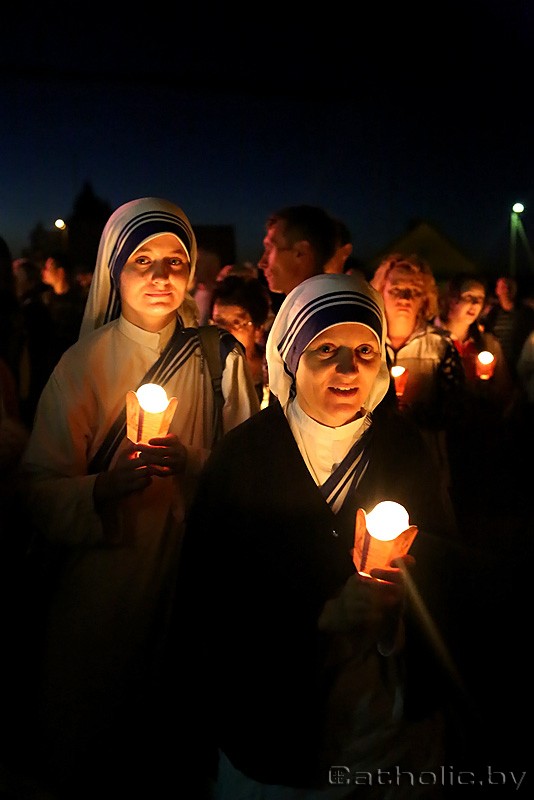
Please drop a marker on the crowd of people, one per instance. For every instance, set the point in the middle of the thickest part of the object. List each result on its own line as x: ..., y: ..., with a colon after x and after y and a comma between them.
x: 187, y: 610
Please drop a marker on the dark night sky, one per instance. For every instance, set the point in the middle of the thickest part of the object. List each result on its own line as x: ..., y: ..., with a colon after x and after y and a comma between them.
x: 424, y: 112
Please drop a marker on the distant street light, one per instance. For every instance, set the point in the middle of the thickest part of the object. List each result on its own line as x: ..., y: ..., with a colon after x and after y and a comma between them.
x: 517, y: 229
x: 515, y: 222
x: 62, y: 227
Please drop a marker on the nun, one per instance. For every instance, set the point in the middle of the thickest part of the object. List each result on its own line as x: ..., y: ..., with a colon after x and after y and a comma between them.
x: 113, y: 508
x: 299, y: 670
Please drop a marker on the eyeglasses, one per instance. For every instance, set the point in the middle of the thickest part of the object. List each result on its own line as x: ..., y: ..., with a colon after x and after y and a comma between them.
x: 472, y: 299
x: 231, y: 325
x: 406, y: 293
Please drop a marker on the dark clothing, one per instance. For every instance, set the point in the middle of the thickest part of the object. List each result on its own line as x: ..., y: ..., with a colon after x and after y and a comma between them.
x: 38, y: 336
x: 262, y: 553
x: 511, y: 329
x: 11, y: 333
x: 66, y: 312
x: 51, y: 325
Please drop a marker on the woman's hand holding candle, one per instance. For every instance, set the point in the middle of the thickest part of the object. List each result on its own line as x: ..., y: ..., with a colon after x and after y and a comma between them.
x: 149, y: 413
x: 132, y: 473
x: 127, y: 476
x: 134, y: 469
x: 164, y: 456
x: 369, y: 610
x: 394, y: 573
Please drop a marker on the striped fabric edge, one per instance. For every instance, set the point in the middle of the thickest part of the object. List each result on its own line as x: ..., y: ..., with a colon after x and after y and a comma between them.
x: 313, y: 306
x: 173, y: 357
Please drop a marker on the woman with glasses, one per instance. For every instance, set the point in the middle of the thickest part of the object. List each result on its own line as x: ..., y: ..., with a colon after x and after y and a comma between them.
x: 242, y: 306
x: 433, y: 389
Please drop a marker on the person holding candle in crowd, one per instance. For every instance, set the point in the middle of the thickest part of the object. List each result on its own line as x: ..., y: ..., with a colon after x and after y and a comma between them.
x: 117, y: 507
x: 242, y: 305
x: 433, y: 393
x: 474, y: 441
x: 460, y: 305
x: 296, y: 661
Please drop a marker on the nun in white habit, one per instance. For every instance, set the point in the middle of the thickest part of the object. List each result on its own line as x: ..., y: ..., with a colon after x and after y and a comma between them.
x: 117, y: 518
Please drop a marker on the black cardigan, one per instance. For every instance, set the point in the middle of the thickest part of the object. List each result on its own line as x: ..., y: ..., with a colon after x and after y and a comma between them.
x: 262, y: 553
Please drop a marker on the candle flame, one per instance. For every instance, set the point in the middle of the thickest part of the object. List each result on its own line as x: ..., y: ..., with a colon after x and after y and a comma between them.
x: 387, y: 520
x: 152, y: 398
x: 485, y: 357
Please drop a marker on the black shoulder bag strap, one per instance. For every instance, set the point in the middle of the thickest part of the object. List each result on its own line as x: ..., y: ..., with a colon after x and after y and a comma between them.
x: 210, y: 341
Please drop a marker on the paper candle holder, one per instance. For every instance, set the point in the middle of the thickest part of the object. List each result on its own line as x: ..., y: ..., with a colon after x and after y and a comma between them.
x: 485, y: 365
x: 382, y: 535
x: 400, y: 376
x: 148, y: 413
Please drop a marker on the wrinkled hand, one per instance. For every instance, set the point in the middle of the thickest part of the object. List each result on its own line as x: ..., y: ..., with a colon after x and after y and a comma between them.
x: 370, y: 607
x: 396, y: 572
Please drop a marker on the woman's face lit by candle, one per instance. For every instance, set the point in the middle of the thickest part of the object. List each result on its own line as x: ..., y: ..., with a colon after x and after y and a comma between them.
x: 153, y: 282
x: 467, y: 307
x: 404, y: 296
x: 336, y: 373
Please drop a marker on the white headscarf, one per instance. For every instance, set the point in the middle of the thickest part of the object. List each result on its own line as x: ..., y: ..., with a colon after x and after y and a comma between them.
x: 312, y: 307
x: 130, y: 226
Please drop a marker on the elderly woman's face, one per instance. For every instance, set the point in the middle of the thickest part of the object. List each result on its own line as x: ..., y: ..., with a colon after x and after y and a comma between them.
x: 336, y: 373
x: 153, y: 282
x: 404, y: 295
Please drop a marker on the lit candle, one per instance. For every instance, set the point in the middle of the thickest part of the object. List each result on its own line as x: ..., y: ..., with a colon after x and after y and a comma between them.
x: 149, y: 412
x: 382, y: 535
x: 387, y: 520
x: 400, y: 376
x: 485, y: 365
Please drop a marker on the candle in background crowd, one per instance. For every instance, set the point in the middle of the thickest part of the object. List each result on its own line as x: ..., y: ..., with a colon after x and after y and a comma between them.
x: 382, y: 535
x: 485, y: 365
x: 400, y: 376
x: 149, y: 413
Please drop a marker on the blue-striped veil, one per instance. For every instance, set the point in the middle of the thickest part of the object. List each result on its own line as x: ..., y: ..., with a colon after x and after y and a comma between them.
x: 131, y: 225
x: 313, y: 306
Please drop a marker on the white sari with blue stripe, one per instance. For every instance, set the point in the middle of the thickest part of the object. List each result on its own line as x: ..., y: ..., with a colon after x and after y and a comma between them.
x: 336, y: 457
